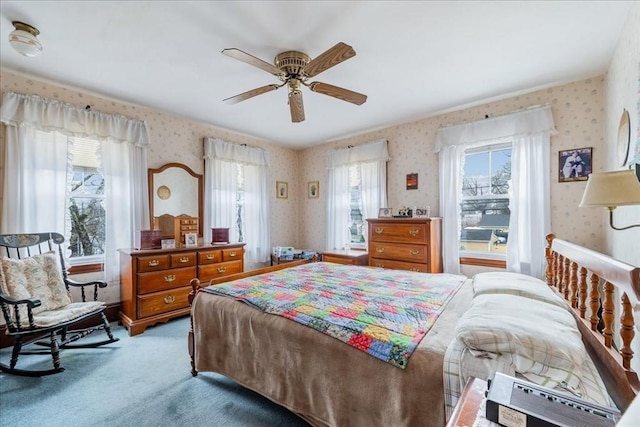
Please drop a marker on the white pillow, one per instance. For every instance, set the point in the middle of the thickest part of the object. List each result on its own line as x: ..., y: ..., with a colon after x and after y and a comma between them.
x: 503, y: 282
x: 541, y: 339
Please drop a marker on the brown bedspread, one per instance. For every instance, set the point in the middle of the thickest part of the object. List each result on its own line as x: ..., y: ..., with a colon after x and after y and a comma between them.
x: 325, y: 381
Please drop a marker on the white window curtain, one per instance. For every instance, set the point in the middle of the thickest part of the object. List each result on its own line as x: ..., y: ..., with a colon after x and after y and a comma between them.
x: 220, y: 175
x: 529, y: 131
x: 372, y: 159
x: 37, y: 167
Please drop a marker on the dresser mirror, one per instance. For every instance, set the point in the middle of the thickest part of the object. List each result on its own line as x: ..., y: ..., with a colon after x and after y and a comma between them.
x: 174, y: 191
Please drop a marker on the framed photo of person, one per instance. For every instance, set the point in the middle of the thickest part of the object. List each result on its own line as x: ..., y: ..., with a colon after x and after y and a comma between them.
x: 191, y: 239
x: 574, y: 164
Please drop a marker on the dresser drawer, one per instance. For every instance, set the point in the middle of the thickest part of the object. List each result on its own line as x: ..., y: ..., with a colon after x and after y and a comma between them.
x: 399, y: 265
x: 232, y: 254
x: 209, y: 257
x: 400, y: 233
x: 208, y: 272
x: 186, y: 259
x: 411, y: 253
x: 163, y: 302
x: 168, y: 279
x: 153, y: 263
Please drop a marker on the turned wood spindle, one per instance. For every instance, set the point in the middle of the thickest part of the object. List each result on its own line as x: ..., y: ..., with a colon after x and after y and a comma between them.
x: 594, y: 301
x: 607, y: 314
x: 582, y: 293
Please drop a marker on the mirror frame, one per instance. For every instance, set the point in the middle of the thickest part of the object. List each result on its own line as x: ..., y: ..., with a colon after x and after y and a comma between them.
x: 152, y: 172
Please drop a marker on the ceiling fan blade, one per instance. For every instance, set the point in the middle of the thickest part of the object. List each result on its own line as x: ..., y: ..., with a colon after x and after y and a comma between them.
x: 333, y: 56
x: 296, y: 106
x: 252, y: 60
x: 338, y: 92
x: 250, y: 94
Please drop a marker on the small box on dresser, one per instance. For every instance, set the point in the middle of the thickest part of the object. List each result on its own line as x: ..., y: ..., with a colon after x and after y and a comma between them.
x: 413, y: 244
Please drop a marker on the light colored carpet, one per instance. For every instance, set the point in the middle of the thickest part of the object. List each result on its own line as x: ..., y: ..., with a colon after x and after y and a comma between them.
x: 143, y: 380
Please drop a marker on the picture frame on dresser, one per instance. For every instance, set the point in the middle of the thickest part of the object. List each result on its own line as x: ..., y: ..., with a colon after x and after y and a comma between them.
x: 385, y: 213
x: 424, y: 212
x: 168, y: 243
x: 191, y: 240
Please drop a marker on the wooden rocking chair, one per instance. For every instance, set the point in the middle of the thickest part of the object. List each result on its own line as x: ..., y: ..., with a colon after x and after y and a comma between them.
x: 36, y: 303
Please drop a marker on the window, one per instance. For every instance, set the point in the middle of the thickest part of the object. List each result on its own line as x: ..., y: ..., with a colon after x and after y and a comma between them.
x: 485, y: 202
x: 356, y: 223
x: 85, y: 205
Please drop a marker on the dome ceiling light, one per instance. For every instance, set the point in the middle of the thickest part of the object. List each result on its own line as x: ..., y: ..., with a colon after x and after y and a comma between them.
x: 23, y: 39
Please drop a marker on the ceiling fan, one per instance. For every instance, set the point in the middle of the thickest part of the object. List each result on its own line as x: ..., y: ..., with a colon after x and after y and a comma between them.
x: 294, y: 68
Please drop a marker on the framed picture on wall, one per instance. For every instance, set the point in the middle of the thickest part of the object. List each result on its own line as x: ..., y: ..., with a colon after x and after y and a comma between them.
x: 282, y: 190
x: 574, y: 164
x: 313, y: 189
x: 412, y: 181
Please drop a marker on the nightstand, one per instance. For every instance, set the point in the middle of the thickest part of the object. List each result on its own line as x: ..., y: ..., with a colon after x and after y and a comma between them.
x: 346, y: 257
x: 465, y: 413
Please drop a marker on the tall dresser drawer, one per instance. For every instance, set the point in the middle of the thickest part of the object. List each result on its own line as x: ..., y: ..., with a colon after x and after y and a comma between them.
x: 163, y: 302
x: 153, y: 263
x: 208, y: 272
x: 399, y: 265
x: 401, y: 233
x: 411, y: 253
x: 161, y: 280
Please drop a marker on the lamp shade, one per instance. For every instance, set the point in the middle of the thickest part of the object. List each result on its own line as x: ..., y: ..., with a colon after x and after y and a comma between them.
x: 617, y: 188
x: 23, y: 39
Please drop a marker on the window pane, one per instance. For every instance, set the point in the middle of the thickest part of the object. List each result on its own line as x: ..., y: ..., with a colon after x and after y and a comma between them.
x: 485, y: 205
x: 86, y: 213
x: 356, y: 223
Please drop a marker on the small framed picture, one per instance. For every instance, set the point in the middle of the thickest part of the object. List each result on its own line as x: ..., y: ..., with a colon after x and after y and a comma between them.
x: 168, y: 243
x: 412, y: 181
x: 574, y: 165
x: 282, y: 190
x: 191, y: 239
x: 313, y: 189
x: 385, y: 213
x: 424, y: 212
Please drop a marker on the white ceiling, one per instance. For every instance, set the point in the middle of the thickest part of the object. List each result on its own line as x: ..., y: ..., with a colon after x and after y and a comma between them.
x: 414, y: 59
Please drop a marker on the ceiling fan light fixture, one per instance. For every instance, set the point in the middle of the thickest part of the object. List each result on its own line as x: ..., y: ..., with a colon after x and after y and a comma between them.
x: 24, y: 39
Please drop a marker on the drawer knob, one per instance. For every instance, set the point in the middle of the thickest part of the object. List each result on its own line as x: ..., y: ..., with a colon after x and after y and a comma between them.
x: 170, y: 278
x: 154, y: 263
x: 380, y: 265
x: 414, y: 232
x: 415, y: 269
x: 170, y: 299
x: 221, y: 269
x: 232, y: 254
x: 184, y: 259
x: 414, y: 252
x: 209, y: 256
x: 380, y: 250
x: 379, y: 230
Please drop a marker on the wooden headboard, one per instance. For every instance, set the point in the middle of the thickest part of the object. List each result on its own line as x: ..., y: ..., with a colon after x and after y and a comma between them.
x: 604, y: 294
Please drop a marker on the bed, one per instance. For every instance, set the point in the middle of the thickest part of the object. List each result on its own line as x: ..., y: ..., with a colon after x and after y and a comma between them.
x: 329, y: 383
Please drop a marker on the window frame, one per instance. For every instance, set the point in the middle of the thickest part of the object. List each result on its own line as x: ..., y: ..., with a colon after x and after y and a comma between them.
x: 485, y: 259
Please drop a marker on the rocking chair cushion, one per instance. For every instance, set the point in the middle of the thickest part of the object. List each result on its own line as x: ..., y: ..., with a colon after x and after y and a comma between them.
x: 38, y: 276
x: 68, y: 312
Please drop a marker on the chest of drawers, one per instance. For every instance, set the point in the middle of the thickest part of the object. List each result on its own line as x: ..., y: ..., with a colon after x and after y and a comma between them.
x: 154, y: 284
x: 406, y: 244
x: 346, y: 257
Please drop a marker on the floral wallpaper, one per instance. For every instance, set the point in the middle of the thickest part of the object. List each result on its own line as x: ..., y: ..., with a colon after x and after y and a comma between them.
x: 578, y: 110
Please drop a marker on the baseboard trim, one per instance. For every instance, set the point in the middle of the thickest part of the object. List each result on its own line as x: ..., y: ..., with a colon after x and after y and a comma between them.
x: 111, y: 312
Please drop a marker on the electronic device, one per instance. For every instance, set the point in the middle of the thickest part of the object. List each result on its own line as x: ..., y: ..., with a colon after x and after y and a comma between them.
x: 512, y: 402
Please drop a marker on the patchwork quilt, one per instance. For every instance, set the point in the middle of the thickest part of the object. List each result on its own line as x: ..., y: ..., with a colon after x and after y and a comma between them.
x: 382, y: 312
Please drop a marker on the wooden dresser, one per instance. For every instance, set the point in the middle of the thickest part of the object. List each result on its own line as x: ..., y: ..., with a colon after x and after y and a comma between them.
x: 406, y: 244
x: 154, y: 283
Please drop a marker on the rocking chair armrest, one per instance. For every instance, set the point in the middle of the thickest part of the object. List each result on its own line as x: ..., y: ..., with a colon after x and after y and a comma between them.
x: 99, y: 283
x: 31, y: 302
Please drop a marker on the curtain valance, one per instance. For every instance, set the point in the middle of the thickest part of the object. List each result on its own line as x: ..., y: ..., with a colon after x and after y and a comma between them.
x: 370, y: 152
x: 532, y: 121
x: 215, y: 148
x: 52, y: 115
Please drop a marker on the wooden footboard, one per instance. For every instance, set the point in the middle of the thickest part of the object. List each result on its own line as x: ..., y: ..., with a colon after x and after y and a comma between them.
x: 197, y: 286
x: 597, y: 287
